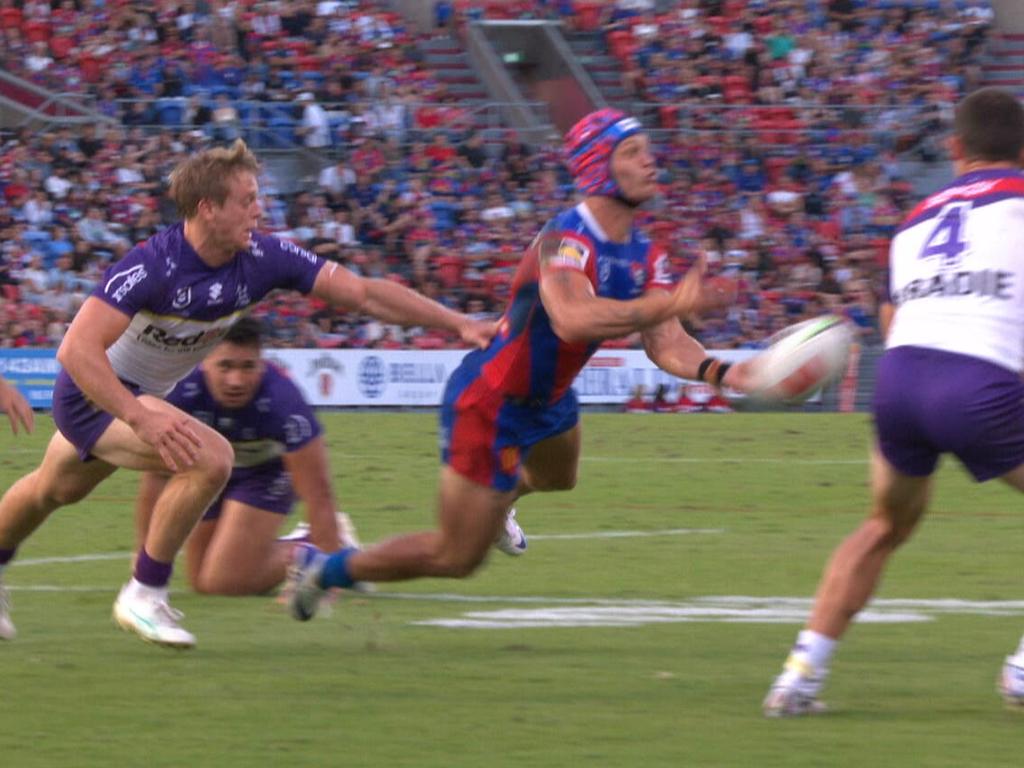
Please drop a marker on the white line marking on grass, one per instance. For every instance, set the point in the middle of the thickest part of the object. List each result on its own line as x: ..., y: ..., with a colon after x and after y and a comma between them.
x: 582, y: 612
x: 73, y: 558
x: 717, y: 460
x: 621, y: 534
x: 58, y: 588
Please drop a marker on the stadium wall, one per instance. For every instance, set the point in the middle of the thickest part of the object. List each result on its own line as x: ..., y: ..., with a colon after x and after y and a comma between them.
x: 416, y: 378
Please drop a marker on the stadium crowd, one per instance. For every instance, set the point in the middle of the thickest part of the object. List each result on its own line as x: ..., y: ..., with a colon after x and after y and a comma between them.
x: 788, y: 181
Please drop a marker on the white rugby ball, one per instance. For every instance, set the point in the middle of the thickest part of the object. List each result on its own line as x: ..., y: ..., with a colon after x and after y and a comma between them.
x: 801, y: 359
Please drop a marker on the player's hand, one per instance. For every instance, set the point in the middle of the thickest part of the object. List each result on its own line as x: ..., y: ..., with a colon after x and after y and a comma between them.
x: 740, y: 375
x: 694, y: 295
x: 16, y: 407
x: 478, y: 333
x: 171, y: 435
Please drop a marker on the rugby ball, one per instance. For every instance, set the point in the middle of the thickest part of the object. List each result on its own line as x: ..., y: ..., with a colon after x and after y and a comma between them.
x: 801, y: 359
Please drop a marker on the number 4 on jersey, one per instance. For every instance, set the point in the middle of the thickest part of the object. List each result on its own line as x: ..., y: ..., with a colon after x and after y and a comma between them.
x: 945, y: 240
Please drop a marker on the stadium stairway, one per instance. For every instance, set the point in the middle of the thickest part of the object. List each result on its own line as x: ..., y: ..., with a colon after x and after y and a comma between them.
x: 1003, y: 65
x: 603, y: 68
x: 450, y: 64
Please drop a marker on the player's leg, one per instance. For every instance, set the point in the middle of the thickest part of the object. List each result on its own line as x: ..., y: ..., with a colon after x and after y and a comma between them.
x: 187, y: 492
x: 1011, y: 679
x: 550, y: 465
x: 61, y: 478
x: 853, y: 573
x: 850, y: 578
x: 470, y: 517
x: 238, y: 553
x: 142, y: 605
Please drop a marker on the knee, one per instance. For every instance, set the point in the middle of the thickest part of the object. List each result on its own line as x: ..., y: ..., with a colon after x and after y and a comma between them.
x: 63, y: 494
x: 216, y: 460
x: 459, y: 564
x: 885, y: 532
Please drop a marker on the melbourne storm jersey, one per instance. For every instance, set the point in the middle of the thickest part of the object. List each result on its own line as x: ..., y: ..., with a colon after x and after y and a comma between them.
x: 957, y: 270
x: 181, y: 307
x: 527, y: 360
x: 276, y: 421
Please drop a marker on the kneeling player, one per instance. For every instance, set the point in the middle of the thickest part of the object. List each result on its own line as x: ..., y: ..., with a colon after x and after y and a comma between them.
x: 279, y: 454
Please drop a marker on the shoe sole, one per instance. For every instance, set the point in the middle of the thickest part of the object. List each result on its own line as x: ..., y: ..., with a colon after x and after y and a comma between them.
x: 127, y: 626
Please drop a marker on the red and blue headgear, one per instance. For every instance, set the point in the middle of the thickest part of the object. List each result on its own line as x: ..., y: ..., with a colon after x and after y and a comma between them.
x: 588, y: 150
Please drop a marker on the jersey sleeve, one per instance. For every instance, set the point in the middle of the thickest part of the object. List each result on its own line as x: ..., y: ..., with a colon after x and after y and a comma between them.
x: 569, y: 250
x: 129, y: 284
x: 659, y: 272
x: 292, y: 421
x: 288, y: 265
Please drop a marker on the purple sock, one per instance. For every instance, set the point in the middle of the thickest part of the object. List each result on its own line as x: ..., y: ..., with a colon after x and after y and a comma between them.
x: 152, y: 572
x: 6, y: 555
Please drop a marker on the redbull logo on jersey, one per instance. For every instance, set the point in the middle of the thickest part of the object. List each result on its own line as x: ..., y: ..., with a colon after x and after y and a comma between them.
x: 158, y: 336
x: 588, y: 150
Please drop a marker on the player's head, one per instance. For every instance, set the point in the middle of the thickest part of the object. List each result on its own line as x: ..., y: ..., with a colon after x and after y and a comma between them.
x: 234, y: 369
x: 217, y: 188
x: 989, y: 127
x: 608, y: 154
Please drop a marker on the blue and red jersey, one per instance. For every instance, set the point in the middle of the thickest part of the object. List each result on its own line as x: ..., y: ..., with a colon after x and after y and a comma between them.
x: 526, y: 360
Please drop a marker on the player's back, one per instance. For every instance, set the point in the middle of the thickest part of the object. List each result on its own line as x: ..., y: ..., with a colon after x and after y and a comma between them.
x: 957, y: 270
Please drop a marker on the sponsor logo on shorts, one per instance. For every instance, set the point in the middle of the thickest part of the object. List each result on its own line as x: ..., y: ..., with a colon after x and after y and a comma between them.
x: 509, y: 459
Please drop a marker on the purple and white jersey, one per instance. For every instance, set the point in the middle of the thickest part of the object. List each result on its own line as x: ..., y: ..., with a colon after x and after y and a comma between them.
x: 957, y: 270
x: 181, y: 307
x: 275, y: 422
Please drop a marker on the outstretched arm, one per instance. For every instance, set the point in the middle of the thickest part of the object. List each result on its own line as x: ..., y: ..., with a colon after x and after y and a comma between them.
x: 16, y: 407
x: 672, y: 349
x: 311, y: 479
x: 394, y: 303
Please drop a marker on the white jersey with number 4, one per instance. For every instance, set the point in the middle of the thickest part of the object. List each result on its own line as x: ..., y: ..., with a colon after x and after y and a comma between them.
x: 956, y: 270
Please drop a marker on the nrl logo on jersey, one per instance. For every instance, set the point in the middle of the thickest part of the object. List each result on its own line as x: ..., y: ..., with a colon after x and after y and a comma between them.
x: 182, y: 298
x: 571, y: 253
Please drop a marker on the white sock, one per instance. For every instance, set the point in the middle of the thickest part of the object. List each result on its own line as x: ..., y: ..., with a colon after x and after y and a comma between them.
x: 813, y: 648
x: 1019, y: 654
x: 137, y: 589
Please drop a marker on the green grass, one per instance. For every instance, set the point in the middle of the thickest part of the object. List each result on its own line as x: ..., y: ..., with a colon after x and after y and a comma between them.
x: 366, y: 686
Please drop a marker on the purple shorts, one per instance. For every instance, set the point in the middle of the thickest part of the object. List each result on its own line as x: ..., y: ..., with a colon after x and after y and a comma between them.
x: 268, y: 488
x: 81, y: 422
x: 928, y: 402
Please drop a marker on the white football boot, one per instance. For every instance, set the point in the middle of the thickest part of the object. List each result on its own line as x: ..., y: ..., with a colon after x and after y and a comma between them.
x: 347, y: 536
x: 302, y: 590
x: 1011, y: 681
x: 7, y: 630
x: 795, y: 692
x: 512, y: 539
x: 147, y: 613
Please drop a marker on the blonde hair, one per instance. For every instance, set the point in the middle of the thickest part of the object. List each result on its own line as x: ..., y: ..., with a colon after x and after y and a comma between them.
x: 205, y: 176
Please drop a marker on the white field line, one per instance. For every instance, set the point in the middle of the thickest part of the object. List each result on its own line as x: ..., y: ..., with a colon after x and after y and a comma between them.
x: 73, y: 558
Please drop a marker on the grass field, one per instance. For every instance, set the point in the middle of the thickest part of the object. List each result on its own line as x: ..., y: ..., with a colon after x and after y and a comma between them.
x: 731, y: 506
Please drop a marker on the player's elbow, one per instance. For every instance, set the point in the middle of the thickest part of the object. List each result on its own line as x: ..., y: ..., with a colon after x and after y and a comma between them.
x: 569, y: 328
